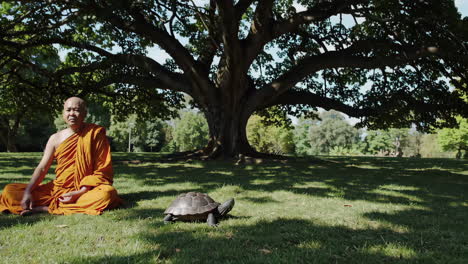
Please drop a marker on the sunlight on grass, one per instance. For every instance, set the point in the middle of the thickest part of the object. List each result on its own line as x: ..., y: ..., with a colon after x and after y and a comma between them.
x: 393, y: 250
x: 348, y: 210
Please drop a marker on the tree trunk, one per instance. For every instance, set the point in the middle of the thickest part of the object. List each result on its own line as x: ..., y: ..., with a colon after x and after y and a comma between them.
x: 228, y: 137
x: 459, y: 153
x: 9, y: 132
x: 9, y: 142
x: 11, y: 146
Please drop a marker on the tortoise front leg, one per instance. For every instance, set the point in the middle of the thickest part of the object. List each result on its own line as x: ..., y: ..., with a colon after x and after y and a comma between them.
x: 168, y: 219
x: 211, y: 220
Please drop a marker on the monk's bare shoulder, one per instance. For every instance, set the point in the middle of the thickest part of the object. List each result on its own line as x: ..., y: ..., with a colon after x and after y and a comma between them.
x: 59, y: 137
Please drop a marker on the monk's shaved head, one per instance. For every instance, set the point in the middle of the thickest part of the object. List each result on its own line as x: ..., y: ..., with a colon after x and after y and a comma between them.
x: 76, y: 101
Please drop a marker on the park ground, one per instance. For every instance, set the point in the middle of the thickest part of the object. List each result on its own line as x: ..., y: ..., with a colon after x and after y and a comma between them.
x: 327, y: 210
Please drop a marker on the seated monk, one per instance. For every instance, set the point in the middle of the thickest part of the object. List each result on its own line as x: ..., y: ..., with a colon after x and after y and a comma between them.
x: 84, y: 172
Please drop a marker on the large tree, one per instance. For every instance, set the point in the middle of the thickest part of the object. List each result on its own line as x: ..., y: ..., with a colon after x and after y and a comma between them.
x: 19, y: 98
x: 235, y: 58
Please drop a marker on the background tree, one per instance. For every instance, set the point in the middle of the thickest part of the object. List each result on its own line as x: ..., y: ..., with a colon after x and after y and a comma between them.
x: 19, y: 98
x: 330, y: 132
x: 155, y: 135
x: 146, y: 134
x: 190, y: 131
x: 169, y: 144
x: 34, y: 132
x: 430, y: 147
x: 269, y: 138
x: 235, y: 58
x: 301, y: 135
x: 455, y: 139
x: 414, y: 144
x: 389, y: 142
x: 119, y: 132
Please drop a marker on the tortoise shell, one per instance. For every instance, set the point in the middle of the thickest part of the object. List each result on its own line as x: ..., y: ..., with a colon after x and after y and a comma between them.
x: 191, y: 205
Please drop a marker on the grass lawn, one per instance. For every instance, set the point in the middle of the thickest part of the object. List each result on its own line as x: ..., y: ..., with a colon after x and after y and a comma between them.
x: 338, y: 210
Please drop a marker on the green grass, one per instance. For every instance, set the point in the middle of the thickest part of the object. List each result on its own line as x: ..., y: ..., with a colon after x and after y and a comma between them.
x: 340, y: 210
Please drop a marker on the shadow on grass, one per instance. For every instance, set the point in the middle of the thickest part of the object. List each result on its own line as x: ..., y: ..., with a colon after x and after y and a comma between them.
x: 347, y: 178
x: 435, y: 229
x: 260, y: 200
x: 9, y: 220
x: 284, y: 241
x: 435, y: 234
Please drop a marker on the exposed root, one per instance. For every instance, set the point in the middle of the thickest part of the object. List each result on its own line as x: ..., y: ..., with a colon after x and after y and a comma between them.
x: 258, y: 158
x: 182, y: 156
x: 216, y: 153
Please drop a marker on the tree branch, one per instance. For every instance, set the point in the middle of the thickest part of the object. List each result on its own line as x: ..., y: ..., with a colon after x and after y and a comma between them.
x: 229, y: 31
x: 143, y: 27
x: 321, y: 11
x: 175, y: 81
x: 54, y: 40
x: 340, y: 59
x: 292, y: 97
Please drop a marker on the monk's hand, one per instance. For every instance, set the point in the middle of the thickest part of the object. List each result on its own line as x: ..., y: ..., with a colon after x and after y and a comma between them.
x: 71, y: 197
x: 26, y: 201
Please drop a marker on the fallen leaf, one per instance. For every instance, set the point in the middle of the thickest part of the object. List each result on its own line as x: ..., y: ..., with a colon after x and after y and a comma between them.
x: 61, y: 226
x: 265, y: 251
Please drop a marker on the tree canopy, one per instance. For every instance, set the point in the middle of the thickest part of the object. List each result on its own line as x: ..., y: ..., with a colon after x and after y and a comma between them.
x: 235, y: 58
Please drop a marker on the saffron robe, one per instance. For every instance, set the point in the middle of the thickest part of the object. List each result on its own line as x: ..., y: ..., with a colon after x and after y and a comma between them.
x: 83, y: 159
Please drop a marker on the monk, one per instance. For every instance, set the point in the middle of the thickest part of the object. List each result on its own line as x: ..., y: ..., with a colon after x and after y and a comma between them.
x: 84, y: 173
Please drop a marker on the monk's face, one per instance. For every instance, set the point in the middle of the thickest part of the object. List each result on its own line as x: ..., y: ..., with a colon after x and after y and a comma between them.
x: 74, y: 112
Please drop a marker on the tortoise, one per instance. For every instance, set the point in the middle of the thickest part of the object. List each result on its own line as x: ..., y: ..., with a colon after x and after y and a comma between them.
x: 194, y: 206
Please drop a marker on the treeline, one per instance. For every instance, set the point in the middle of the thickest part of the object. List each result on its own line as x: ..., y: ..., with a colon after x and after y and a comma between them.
x: 329, y: 134
x: 332, y: 134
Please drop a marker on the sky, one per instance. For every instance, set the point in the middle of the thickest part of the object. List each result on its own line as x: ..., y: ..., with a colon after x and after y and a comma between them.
x: 462, y: 6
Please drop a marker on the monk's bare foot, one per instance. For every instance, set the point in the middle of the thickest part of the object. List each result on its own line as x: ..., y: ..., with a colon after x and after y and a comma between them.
x: 35, y: 210
x: 26, y: 213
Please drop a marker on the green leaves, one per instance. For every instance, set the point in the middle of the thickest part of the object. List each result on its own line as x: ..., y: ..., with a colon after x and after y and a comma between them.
x: 190, y: 131
x: 455, y: 139
x: 269, y: 138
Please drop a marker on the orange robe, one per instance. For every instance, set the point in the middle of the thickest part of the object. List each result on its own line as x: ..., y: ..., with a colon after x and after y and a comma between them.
x: 83, y: 159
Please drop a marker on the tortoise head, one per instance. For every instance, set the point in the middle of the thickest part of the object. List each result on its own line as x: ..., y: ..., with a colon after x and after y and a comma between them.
x: 224, y: 208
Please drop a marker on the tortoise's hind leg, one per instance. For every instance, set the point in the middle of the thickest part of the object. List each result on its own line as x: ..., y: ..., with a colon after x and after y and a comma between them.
x: 211, y: 220
x: 168, y: 219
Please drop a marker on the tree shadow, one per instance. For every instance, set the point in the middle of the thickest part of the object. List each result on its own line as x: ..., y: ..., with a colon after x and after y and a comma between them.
x: 278, y: 241
x: 347, y: 179
x: 260, y: 200
x: 438, y: 186
x: 8, y: 220
x: 434, y: 193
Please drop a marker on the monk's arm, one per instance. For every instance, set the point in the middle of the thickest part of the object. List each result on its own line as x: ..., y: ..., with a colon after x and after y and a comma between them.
x: 39, y: 173
x: 103, y: 172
